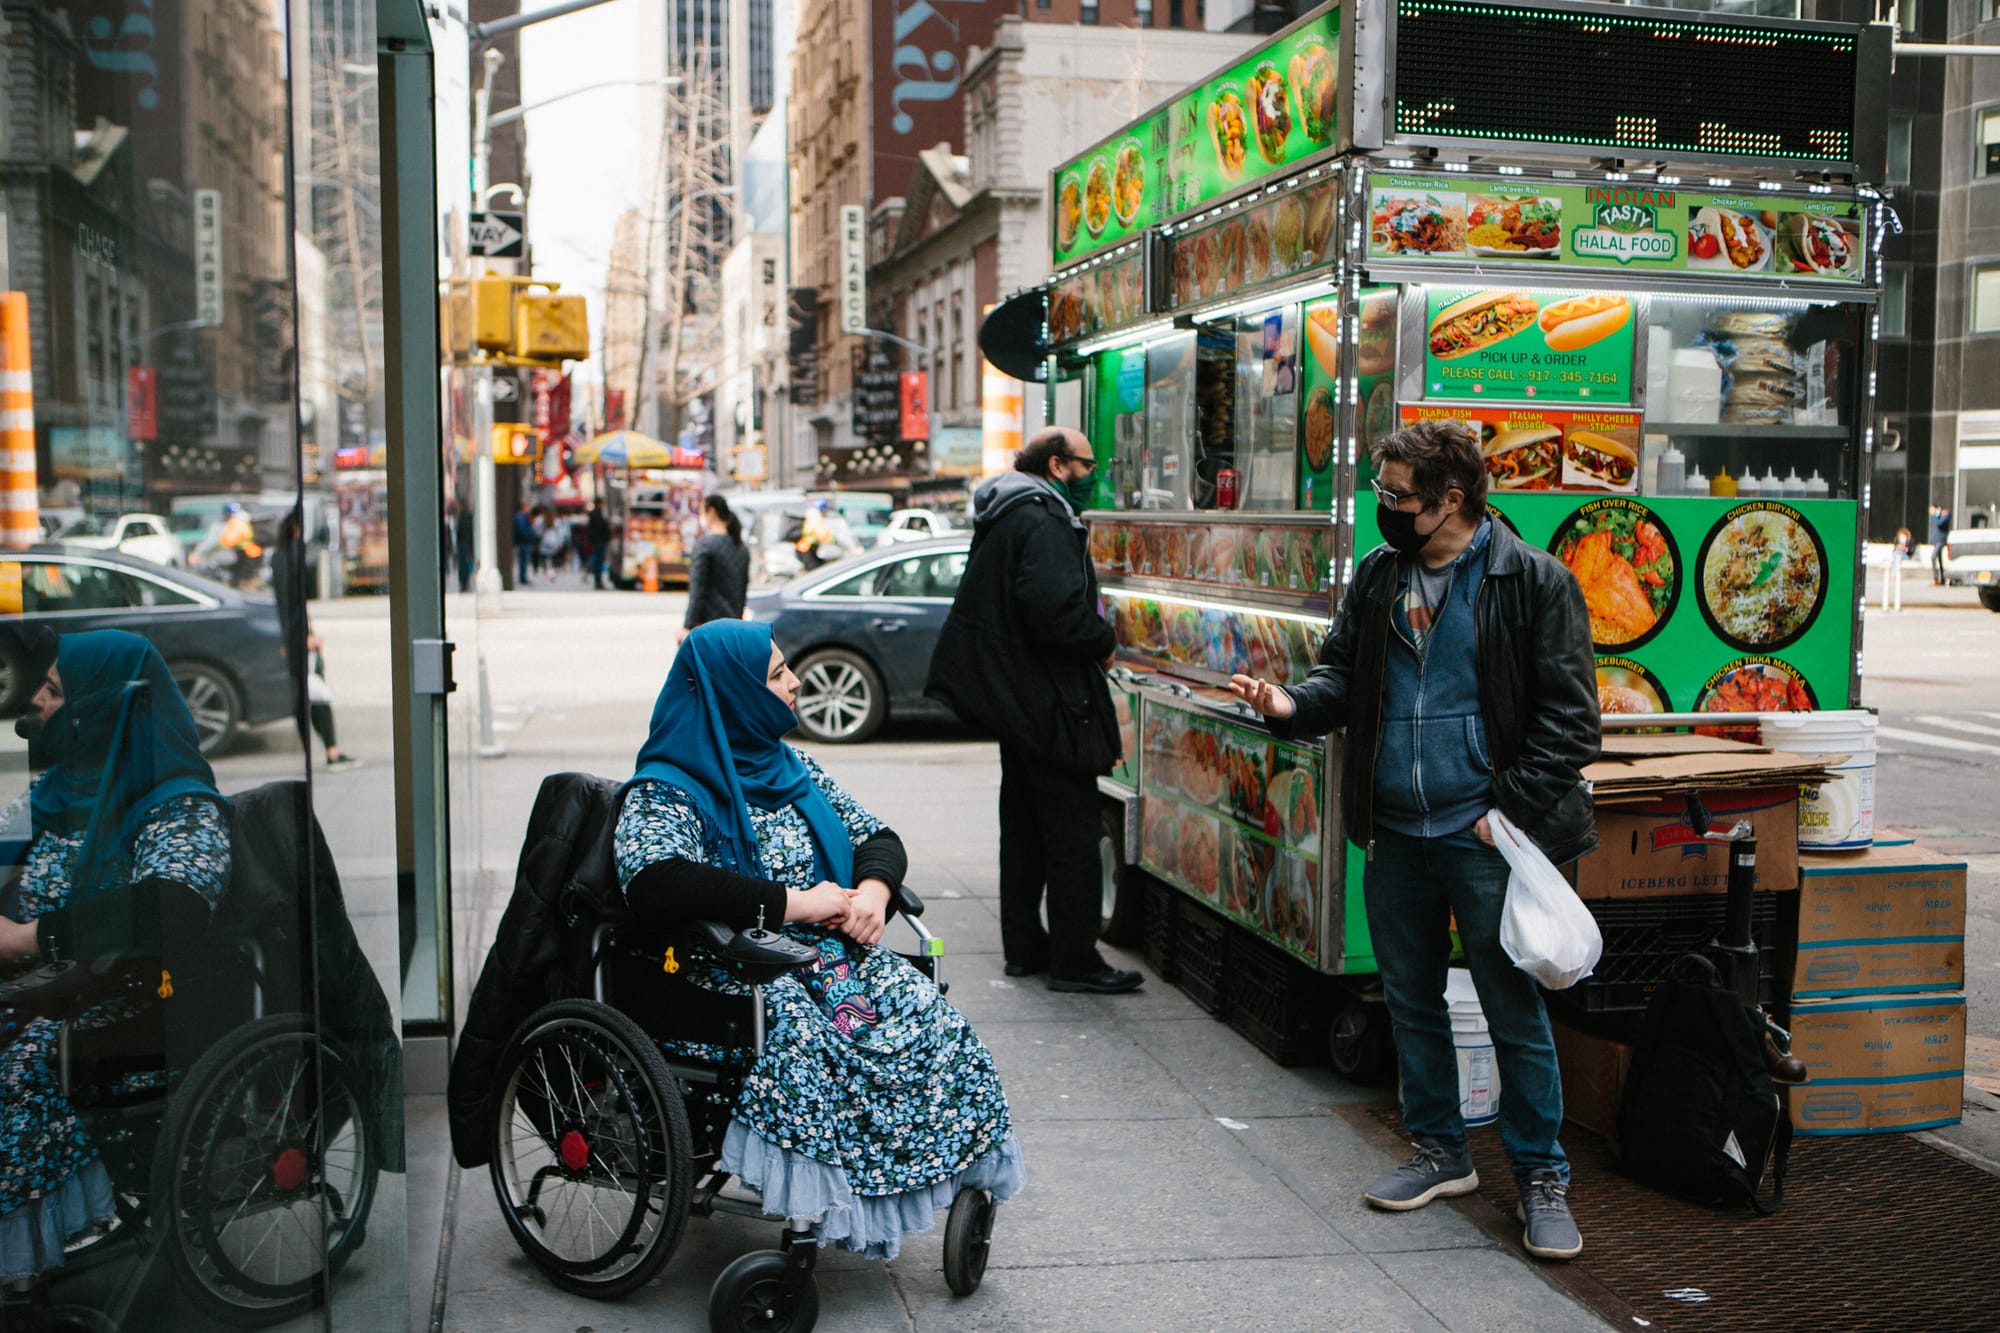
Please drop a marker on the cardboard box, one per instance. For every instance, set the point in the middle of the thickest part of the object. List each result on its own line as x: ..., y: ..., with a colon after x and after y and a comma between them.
x: 1593, y: 1071
x: 1646, y: 850
x: 1879, y: 1064
x: 1884, y: 920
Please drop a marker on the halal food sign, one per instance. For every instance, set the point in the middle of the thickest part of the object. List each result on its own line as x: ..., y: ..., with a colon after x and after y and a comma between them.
x: 1626, y: 226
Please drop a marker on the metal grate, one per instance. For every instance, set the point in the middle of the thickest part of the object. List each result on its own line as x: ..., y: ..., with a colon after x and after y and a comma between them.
x: 1878, y: 1234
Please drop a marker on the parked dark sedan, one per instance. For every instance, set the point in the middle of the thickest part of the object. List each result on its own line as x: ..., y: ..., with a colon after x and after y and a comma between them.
x: 224, y: 647
x: 859, y: 633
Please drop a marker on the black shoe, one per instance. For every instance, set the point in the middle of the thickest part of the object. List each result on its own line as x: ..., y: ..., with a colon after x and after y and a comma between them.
x: 1106, y: 980
x: 1026, y: 969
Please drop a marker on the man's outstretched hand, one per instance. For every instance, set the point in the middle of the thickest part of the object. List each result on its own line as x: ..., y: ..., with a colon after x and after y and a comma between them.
x: 1261, y: 695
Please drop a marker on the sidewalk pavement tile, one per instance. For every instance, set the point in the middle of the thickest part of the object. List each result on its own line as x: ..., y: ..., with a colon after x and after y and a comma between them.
x: 1110, y: 1192
x: 1081, y: 1070
x: 985, y: 994
x: 1488, y: 1291
x: 966, y: 924
x: 1315, y: 1295
x: 1327, y: 1163
x: 1229, y: 1076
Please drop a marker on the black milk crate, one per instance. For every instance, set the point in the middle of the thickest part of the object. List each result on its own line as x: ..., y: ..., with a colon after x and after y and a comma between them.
x: 1645, y: 937
x: 1162, y: 928
x: 1280, y: 1004
x: 1201, y: 948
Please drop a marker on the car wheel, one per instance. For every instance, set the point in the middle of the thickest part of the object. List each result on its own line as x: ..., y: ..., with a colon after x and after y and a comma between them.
x: 841, y: 699
x: 212, y: 699
x: 1990, y: 598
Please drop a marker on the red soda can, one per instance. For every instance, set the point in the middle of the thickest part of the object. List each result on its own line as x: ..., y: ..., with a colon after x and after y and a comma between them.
x: 1225, y: 488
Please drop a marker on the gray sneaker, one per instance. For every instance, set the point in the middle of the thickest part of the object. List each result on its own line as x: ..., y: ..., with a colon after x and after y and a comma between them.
x: 1433, y: 1172
x: 1544, y: 1210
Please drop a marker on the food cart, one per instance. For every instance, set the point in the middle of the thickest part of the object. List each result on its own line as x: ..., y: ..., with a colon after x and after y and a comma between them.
x: 1659, y: 320
x: 653, y: 493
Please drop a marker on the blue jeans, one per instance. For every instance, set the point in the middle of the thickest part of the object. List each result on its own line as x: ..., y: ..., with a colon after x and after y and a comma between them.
x: 521, y: 564
x: 1415, y: 887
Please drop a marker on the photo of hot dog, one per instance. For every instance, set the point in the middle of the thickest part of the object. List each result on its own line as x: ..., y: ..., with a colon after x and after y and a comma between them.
x: 1599, y: 460
x: 1582, y: 320
x: 1524, y: 460
x: 1377, y: 353
x: 1480, y: 320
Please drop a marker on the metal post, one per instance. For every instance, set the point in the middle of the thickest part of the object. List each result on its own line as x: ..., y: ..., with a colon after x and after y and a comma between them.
x: 489, y: 740
x: 487, y: 584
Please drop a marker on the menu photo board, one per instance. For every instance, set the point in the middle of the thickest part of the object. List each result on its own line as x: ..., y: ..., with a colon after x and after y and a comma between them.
x: 1628, y: 227
x: 1105, y: 297
x: 1268, y: 111
x: 1524, y: 344
x: 1262, y: 243
x: 1528, y: 449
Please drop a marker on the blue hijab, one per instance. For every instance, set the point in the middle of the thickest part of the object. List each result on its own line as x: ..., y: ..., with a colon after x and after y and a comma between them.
x: 718, y: 735
x: 122, y: 744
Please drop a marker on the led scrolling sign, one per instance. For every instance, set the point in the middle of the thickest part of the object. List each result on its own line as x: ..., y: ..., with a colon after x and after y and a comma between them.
x: 1652, y: 84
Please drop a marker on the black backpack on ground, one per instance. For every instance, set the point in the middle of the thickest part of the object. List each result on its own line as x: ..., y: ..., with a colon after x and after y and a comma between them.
x: 1700, y: 1116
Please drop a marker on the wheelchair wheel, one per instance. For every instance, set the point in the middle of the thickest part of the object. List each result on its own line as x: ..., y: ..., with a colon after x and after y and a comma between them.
x: 968, y: 1239
x: 590, y: 1149
x: 265, y: 1174
x: 750, y: 1297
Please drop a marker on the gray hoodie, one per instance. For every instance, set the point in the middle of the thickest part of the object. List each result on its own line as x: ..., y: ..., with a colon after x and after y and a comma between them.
x: 997, y: 495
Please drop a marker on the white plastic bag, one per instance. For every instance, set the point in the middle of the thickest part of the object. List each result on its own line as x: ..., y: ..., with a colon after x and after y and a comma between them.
x: 1544, y: 927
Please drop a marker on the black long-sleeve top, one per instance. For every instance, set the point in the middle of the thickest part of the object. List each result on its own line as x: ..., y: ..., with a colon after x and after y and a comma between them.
x: 677, y: 891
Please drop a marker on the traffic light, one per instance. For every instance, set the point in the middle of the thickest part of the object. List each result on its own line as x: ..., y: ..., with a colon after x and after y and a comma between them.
x: 493, y: 313
x: 515, y: 443
x: 552, y: 327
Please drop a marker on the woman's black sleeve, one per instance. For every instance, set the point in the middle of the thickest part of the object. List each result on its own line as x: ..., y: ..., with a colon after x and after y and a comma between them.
x: 154, y: 918
x: 677, y: 891
x: 882, y: 857
x: 699, y: 576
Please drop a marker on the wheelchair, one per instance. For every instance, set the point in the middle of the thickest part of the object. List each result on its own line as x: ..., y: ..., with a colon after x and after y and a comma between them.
x: 602, y: 1144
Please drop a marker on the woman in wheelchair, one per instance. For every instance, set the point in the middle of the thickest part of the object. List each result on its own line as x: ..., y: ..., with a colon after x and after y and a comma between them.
x: 130, y: 851
x: 872, y: 1101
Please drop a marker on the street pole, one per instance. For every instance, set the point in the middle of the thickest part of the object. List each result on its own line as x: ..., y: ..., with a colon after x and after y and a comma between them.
x: 487, y: 583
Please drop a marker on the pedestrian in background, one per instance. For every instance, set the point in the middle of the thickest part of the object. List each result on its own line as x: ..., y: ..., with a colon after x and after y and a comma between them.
x: 319, y: 704
x: 1460, y: 664
x: 524, y: 543
x: 552, y: 544
x: 1940, y: 535
x: 1892, y: 576
x: 462, y: 528
x: 1023, y: 654
x: 597, y: 530
x: 718, y: 568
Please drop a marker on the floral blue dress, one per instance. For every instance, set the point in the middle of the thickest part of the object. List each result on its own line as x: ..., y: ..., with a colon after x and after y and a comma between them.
x: 873, y: 1100
x: 52, y: 1187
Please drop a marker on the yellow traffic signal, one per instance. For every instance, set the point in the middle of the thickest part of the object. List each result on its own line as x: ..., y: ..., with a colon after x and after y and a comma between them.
x: 552, y: 327
x: 493, y: 313
x: 515, y: 443
x: 455, y: 320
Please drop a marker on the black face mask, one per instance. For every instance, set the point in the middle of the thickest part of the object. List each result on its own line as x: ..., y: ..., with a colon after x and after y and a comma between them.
x: 1399, y: 529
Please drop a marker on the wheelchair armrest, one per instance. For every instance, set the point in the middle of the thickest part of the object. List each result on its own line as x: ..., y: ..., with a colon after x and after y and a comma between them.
x: 904, y: 899
x: 63, y: 990
x: 756, y: 955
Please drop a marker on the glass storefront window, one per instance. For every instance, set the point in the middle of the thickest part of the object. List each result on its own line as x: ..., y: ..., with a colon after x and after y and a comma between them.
x: 191, y: 339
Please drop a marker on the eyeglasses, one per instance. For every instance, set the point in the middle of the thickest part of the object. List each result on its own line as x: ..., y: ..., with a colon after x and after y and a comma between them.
x: 1089, y: 461
x: 1395, y: 501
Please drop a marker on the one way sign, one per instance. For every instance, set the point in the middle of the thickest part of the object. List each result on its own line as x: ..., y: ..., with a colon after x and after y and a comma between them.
x: 497, y: 235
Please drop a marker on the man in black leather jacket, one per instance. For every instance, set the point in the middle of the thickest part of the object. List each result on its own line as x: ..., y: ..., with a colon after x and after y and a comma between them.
x: 1460, y: 663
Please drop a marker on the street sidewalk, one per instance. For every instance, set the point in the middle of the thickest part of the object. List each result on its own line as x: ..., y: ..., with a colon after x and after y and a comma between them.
x: 1178, y: 1180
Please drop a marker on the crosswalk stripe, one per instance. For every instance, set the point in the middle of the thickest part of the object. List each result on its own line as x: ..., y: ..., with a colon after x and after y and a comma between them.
x: 1942, y: 742
x: 1959, y: 724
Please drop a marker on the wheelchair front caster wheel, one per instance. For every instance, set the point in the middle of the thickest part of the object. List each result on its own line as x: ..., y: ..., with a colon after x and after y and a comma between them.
x: 968, y: 1238
x: 752, y: 1296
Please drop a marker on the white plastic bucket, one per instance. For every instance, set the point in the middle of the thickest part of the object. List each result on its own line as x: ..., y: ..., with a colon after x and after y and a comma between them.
x: 1839, y: 813
x: 1478, y: 1074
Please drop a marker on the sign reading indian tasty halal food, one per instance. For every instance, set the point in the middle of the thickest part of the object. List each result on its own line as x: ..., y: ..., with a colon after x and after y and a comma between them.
x: 1269, y: 110
x: 1635, y: 228
x: 1556, y: 346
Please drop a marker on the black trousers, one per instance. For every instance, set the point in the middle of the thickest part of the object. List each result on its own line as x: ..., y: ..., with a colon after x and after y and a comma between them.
x: 1048, y: 839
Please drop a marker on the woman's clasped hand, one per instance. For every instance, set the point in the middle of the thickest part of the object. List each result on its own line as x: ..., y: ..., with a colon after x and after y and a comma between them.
x: 859, y: 913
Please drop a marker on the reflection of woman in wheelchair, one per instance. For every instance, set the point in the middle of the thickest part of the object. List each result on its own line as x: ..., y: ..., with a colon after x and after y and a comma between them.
x: 130, y: 851
x: 144, y: 1108
x: 855, y: 1102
